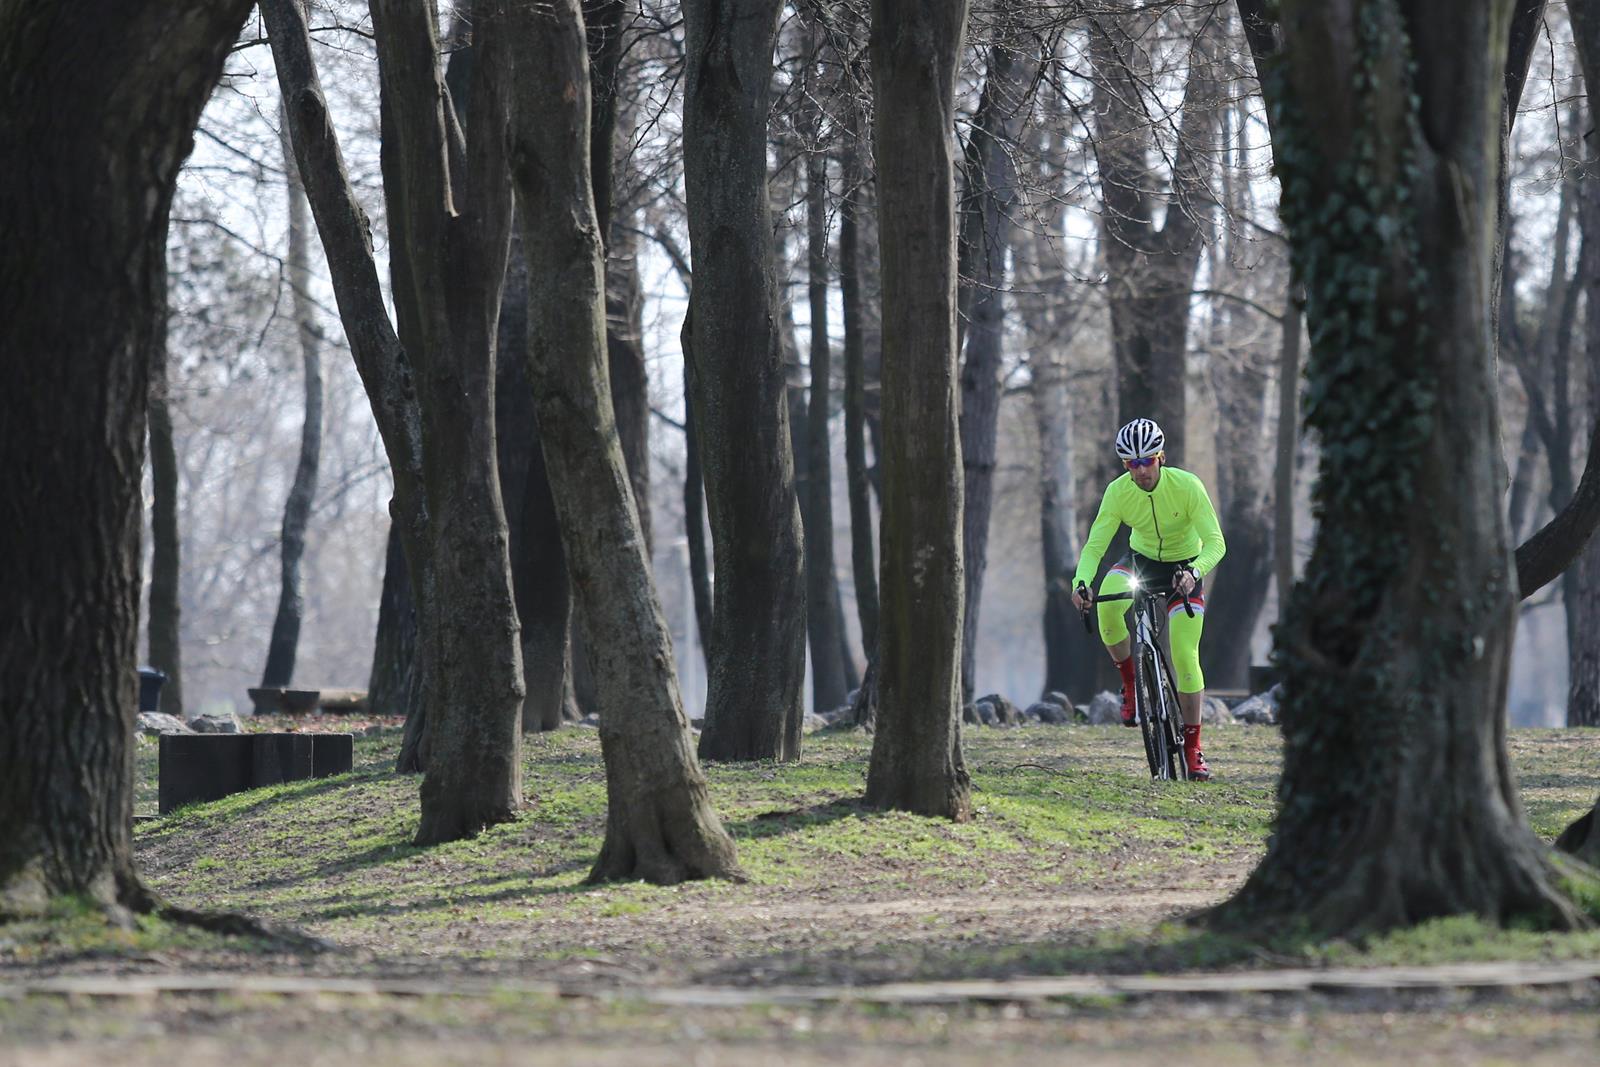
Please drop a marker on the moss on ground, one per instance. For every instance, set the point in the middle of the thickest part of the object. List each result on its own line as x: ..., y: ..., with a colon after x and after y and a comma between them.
x: 1076, y: 861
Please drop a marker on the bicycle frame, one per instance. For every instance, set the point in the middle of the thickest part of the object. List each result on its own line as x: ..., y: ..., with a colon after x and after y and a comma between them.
x: 1155, y: 694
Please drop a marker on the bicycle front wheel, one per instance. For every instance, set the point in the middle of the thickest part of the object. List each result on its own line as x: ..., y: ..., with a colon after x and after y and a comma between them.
x: 1147, y: 696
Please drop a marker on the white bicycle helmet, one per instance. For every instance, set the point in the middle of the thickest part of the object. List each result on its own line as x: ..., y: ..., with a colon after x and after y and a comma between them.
x: 1140, y: 438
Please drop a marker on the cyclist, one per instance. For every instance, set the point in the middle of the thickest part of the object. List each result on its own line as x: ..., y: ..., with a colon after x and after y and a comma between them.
x: 1175, y: 542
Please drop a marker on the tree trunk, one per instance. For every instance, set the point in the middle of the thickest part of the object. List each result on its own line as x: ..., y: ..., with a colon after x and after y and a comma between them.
x: 1283, y: 546
x: 1397, y: 802
x: 392, y: 683
x: 165, y: 635
x: 84, y: 200
x: 285, y: 641
x: 1582, y: 838
x: 1150, y: 270
x: 917, y: 763
x: 449, y: 213
x: 863, y: 558
x: 660, y: 823
x: 830, y: 681
x: 630, y: 380
x: 694, y: 518
x: 758, y: 640
x: 447, y: 254
x: 984, y: 243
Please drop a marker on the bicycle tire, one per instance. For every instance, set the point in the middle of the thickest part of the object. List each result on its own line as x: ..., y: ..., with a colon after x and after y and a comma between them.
x: 1173, y: 721
x: 1147, y: 702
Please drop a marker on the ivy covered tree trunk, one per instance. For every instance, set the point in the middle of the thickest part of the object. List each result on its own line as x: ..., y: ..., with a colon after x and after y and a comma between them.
x: 84, y: 200
x: 285, y: 640
x: 917, y: 764
x: 1397, y: 803
x: 164, y: 637
x: 757, y: 649
x: 660, y: 825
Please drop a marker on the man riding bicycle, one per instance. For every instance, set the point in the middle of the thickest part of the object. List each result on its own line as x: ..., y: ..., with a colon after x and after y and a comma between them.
x: 1175, y: 542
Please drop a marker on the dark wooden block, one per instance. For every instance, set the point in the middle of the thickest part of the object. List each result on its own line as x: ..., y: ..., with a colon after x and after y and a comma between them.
x: 276, y: 758
x: 196, y: 767
x: 333, y: 754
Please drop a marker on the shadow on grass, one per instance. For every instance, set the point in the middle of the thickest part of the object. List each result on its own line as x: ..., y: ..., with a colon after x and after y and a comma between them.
x: 773, y: 823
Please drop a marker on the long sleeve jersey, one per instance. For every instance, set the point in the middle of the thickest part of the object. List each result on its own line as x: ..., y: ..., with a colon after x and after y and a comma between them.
x: 1174, y: 521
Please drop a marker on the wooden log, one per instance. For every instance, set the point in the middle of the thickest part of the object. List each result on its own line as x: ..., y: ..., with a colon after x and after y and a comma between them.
x: 332, y: 754
x: 196, y: 767
x: 278, y: 758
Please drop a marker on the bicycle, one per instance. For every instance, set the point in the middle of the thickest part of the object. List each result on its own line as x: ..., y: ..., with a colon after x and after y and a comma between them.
x: 1154, y: 693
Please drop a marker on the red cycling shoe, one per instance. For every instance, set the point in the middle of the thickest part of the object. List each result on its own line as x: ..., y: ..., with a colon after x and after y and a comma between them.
x: 1129, y: 715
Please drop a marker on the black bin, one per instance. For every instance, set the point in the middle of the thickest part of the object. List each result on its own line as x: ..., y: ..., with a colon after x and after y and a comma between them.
x: 150, y: 682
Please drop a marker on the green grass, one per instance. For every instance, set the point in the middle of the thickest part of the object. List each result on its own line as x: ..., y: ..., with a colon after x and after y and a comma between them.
x: 1061, y: 814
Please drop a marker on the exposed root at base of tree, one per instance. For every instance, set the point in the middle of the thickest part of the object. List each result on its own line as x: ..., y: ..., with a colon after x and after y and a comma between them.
x: 665, y: 851
x: 1582, y: 838
x: 1377, y: 894
x: 439, y: 828
x: 130, y: 898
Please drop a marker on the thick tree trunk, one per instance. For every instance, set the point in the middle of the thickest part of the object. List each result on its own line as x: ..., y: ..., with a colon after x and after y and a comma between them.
x: 863, y: 557
x: 984, y: 243
x: 165, y: 640
x: 285, y: 641
x: 392, y: 682
x: 830, y: 672
x: 660, y: 823
x: 757, y: 648
x: 917, y: 763
x: 449, y: 213
x: 1397, y: 801
x: 84, y: 199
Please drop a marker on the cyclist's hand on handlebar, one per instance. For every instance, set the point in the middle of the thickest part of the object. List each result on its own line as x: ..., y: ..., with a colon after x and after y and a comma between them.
x: 1183, y: 581
x: 1082, y: 598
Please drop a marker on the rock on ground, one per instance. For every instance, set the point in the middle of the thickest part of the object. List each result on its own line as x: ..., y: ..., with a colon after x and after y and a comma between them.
x: 155, y: 723
x: 1105, y: 709
x: 1259, y: 710
x: 1048, y: 712
x: 1215, y: 713
x: 227, y: 723
x: 1005, y: 712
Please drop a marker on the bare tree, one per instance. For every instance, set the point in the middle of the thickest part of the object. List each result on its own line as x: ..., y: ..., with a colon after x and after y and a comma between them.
x: 660, y: 825
x: 449, y: 208
x: 735, y: 356
x: 285, y: 640
x: 917, y: 763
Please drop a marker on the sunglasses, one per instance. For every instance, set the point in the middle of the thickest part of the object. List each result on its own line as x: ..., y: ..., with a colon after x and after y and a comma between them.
x: 1143, y: 461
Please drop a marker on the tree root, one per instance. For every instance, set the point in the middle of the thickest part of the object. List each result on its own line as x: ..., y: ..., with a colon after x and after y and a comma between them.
x: 1582, y: 839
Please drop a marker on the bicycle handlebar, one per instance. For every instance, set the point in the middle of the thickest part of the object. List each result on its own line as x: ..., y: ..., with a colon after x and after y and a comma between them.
x: 1095, y: 598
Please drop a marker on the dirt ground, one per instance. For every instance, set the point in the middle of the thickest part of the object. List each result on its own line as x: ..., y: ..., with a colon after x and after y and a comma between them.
x: 1075, y: 864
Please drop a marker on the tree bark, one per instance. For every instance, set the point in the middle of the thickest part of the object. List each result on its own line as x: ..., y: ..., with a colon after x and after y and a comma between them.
x: 917, y: 764
x: 984, y: 243
x: 830, y: 671
x: 1150, y: 270
x: 449, y: 212
x: 392, y: 684
x: 660, y: 825
x: 1283, y: 546
x: 863, y: 557
x: 1397, y: 802
x: 84, y: 200
x: 448, y: 217
x: 757, y: 649
x: 165, y: 635
x: 285, y: 640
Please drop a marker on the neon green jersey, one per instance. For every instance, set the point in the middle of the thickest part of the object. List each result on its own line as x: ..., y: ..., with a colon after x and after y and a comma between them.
x: 1174, y: 521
